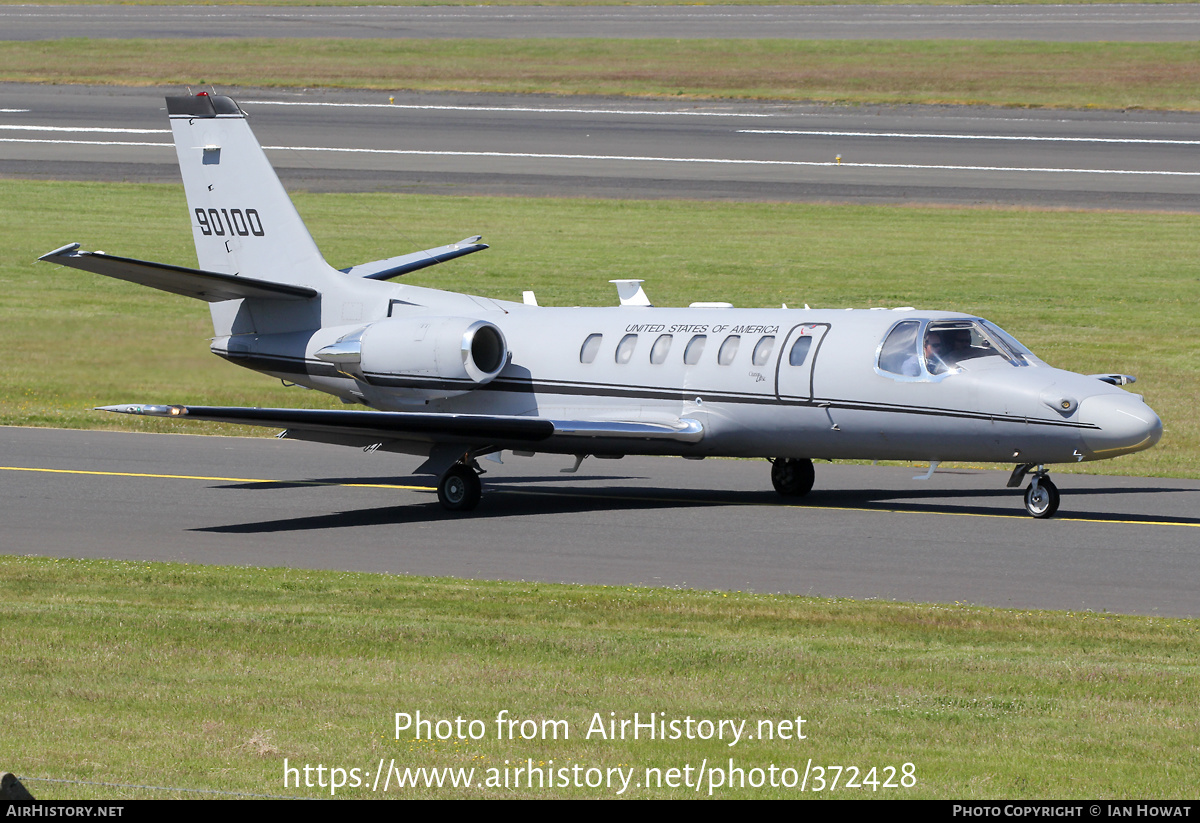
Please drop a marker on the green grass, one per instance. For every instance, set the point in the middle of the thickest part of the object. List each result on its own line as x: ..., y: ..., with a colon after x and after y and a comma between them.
x: 1088, y: 291
x: 195, y: 677
x: 1004, y: 73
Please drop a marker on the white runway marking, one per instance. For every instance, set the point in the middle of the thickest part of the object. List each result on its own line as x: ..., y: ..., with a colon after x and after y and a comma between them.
x: 919, y: 136
x: 84, y: 129
x: 647, y: 159
x: 84, y: 142
x: 525, y: 110
x: 730, y: 161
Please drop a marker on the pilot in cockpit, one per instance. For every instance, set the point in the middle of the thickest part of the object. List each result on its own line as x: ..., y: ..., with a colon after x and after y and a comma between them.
x: 933, y: 357
x: 958, y: 346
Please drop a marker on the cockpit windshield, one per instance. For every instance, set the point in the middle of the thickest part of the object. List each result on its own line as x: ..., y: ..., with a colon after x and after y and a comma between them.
x: 1023, y: 354
x: 938, y: 347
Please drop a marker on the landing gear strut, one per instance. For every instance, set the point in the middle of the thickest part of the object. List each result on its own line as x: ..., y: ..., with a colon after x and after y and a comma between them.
x: 1041, y: 497
x: 459, y: 488
x: 792, y: 477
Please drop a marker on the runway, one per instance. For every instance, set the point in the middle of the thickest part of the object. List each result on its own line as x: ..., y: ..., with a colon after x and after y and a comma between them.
x: 1071, y: 23
x: 1124, y: 545
x: 602, y: 147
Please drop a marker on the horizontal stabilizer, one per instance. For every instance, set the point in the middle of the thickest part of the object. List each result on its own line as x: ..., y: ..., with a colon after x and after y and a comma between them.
x: 1115, y: 379
x: 202, y: 285
x: 405, y: 263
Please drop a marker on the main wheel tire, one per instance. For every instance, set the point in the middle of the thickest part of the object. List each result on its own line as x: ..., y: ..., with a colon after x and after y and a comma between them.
x: 1042, y: 502
x: 792, y: 477
x: 459, y: 489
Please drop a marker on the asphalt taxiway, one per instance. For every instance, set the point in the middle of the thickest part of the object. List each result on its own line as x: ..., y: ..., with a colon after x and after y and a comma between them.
x: 1125, y: 545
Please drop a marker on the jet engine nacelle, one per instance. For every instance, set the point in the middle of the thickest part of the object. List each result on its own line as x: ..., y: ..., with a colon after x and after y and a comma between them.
x: 440, y: 356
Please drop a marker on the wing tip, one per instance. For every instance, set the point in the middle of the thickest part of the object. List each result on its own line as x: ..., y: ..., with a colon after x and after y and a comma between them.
x: 146, y: 409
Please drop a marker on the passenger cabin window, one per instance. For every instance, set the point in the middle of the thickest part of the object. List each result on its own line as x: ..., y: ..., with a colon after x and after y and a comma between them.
x: 799, y: 351
x: 762, y: 351
x: 728, y: 349
x: 587, y: 352
x: 658, y: 352
x: 695, y: 348
x: 625, y: 348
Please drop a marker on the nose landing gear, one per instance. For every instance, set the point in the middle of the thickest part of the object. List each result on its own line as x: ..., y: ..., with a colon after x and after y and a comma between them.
x: 1041, y: 497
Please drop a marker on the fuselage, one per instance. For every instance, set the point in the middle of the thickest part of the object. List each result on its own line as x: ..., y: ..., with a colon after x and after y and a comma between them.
x: 760, y: 382
x: 454, y: 377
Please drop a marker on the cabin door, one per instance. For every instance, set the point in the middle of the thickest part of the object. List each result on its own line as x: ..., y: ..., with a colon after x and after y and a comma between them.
x: 797, y: 358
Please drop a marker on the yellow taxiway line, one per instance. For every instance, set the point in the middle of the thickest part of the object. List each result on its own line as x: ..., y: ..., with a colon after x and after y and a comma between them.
x: 597, y: 495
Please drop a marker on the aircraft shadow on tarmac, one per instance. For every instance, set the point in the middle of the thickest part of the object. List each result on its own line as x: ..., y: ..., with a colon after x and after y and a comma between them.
x: 544, y: 495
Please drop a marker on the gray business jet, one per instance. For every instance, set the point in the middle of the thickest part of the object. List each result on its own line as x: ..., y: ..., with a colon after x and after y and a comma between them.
x: 454, y: 377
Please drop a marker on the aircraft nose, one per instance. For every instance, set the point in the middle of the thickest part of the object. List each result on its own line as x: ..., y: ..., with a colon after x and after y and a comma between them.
x: 1126, y: 424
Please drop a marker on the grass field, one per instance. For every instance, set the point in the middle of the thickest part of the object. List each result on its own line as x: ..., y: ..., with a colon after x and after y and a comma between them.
x: 1004, y: 73
x: 206, y: 678
x: 1088, y: 291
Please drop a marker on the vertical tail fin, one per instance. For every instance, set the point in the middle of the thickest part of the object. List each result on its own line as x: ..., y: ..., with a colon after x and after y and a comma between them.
x: 243, y: 221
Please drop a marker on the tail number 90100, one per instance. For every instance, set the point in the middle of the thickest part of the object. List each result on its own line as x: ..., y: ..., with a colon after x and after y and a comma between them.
x: 230, y: 221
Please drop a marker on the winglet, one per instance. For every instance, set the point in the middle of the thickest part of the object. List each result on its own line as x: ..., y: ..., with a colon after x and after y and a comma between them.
x: 61, y: 250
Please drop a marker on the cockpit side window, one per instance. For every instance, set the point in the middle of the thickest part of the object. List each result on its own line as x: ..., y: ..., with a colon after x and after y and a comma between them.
x: 899, y: 353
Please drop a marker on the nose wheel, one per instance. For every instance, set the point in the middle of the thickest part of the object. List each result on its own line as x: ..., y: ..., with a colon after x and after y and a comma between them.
x: 1041, y: 498
x: 459, y: 489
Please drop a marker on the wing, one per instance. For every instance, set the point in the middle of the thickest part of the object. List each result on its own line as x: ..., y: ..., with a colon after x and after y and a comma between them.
x: 372, y: 426
x: 366, y: 428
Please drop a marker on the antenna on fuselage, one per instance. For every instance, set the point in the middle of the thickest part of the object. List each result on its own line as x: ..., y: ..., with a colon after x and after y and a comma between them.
x: 632, y: 293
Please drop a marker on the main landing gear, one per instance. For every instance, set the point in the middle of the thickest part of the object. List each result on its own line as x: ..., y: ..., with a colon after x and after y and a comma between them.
x: 1041, y: 497
x: 792, y: 477
x: 459, y: 489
